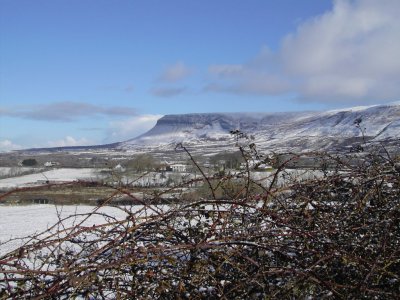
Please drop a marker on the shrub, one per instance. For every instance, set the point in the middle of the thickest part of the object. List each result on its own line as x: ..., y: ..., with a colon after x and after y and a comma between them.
x: 336, y: 235
x: 29, y: 162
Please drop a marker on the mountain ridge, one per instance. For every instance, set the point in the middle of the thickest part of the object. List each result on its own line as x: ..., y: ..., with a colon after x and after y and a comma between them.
x: 276, y: 131
x: 297, y: 131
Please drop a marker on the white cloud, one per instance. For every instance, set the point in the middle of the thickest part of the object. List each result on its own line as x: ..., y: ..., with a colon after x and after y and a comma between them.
x: 7, y: 145
x: 131, y: 128
x: 69, y: 141
x: 175, y: 73
x: 347, y: 54
x: 256, y: 77
x: 245, y: 81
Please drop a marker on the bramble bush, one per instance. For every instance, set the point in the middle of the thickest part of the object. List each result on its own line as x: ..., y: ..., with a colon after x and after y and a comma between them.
x: 334, y: 236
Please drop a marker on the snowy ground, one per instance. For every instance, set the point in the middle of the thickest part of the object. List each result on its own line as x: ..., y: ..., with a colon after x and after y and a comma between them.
x: 10, y: 171
x: 17, y: 222
x: 55, y: 175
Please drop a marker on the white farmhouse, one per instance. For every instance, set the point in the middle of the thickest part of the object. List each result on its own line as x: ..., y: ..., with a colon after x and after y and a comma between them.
x: 178, y: 168
x: 173, y: 167
x: 51, y: 164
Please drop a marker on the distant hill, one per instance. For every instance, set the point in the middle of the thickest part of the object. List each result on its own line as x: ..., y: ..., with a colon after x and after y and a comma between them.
x: 292, y: 131
x: 282, y: 132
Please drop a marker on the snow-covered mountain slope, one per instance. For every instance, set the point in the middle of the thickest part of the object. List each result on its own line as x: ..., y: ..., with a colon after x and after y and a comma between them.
x: 274, y: 131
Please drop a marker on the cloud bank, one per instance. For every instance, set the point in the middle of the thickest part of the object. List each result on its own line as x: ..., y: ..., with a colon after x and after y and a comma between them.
x: 348, y: 54
x: 66, y: 111
x: 70, y: 141
x: 7, y: 145
x: 132, y: 127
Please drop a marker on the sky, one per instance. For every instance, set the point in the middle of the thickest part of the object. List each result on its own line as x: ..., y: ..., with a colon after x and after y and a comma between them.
x: 87, y: 72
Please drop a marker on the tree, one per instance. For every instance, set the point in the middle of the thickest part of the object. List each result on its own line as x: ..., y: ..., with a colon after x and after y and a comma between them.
x: 29, y: 162
x: 230, y: 160
x: 142, y: 163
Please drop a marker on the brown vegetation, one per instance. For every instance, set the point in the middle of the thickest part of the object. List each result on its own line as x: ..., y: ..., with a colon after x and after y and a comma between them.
x: 335, y: 236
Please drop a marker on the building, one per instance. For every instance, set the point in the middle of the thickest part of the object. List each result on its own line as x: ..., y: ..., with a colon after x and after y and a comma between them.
x: 173, y: 167
x: 178, y: 168
x: 51, y: 164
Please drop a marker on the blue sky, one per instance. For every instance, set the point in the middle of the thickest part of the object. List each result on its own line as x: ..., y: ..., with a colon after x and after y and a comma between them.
x: 83, y: 72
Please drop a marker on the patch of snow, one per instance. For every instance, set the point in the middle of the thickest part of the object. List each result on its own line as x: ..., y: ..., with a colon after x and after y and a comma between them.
x: 56, y: 175
x: 19, y: 222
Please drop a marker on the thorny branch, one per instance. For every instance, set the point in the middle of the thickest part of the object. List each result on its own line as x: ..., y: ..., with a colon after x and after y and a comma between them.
x: 331, y: 236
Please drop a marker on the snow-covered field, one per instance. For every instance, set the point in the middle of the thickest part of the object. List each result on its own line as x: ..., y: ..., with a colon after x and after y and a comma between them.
x: 14, y: 171
x: 17, y: 222
x: 55, y: 175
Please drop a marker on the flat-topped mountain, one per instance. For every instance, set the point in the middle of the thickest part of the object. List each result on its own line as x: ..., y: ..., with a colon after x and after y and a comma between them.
x: 293, y: 131
x: 282, y: 132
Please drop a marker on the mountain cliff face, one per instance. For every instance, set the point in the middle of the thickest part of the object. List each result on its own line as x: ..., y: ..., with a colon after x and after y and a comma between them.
x: 293, y: 131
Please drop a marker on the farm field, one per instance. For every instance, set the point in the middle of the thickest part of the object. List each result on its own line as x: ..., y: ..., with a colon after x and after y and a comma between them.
x: 18, y: 222
x: 56, y: 175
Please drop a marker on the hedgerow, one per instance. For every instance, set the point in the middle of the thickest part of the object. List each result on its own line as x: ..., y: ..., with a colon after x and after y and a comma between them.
x: 331, y: 236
